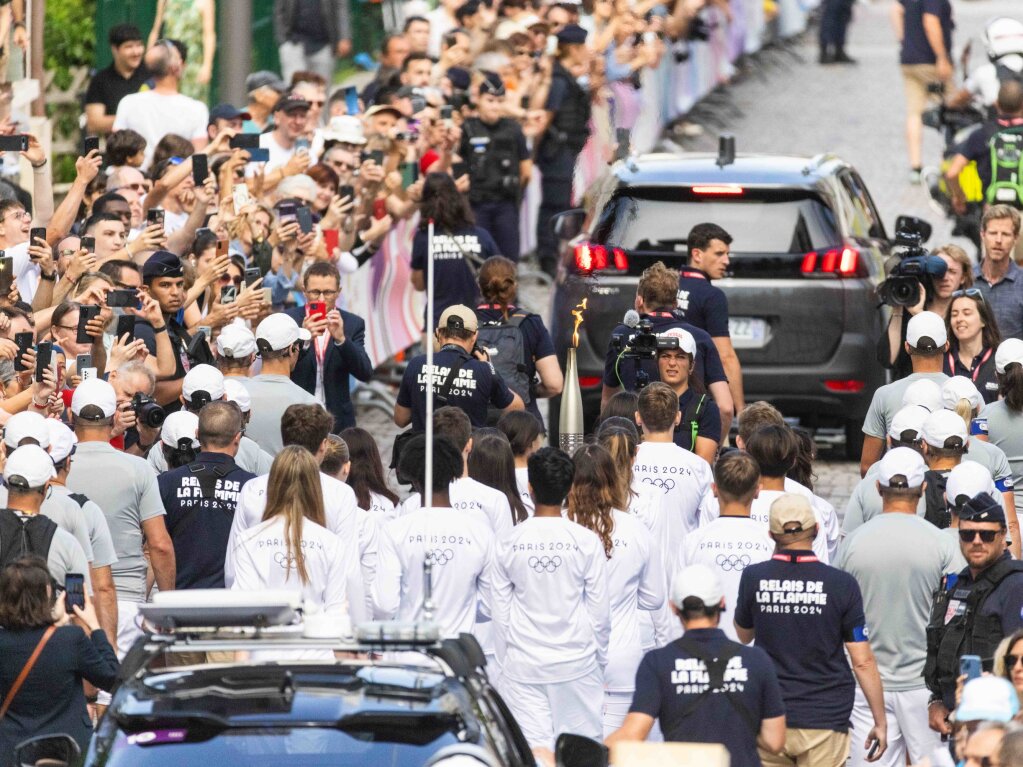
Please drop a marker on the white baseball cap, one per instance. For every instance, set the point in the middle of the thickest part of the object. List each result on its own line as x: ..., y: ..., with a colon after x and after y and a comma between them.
x: 26, y: 425
x: 945, y: 429
x: 238, y: 394
x: 967, y: 480
x: 62, y: 440
x: 989, y: 699
x: 279, y: 331
x: 1009, y: 351
x: 923, y: 392
x: 236, y: 341
x: 696, y: 581
x: 926, y: 332
x: 957, y: 388
x: 28, y: 467
x: 203, y: 378
x: 910, y: 418
x: 344, y: 128
x: 901, y: 467
x: 178, y: 426
x: 94, y: 391
x: 686, y: 342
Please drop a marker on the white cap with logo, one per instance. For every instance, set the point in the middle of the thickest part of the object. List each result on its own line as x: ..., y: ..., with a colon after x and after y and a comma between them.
x: 686, y: 342
x: 26, y: 425
x: 901, y: 467
x: 29, y: 467
x: 696, y: 581
x: 926, y: 332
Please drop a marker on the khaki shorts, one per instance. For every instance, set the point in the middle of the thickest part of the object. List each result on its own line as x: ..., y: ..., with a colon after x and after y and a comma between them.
x: 916, y: 78
x: 810, y: 748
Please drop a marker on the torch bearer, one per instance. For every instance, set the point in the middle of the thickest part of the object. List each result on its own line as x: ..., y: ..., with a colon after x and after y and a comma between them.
x: 570, y: 422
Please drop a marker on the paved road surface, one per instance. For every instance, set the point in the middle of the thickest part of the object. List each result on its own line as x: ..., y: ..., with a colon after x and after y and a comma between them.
x: 855, y: 112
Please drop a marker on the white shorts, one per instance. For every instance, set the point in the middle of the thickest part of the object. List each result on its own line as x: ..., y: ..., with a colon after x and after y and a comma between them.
x: 127, y: 633
x: 544, y: 711
x: 908, y: 730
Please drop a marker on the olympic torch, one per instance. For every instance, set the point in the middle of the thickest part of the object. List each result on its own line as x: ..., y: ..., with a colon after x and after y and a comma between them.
x: 570, y: 422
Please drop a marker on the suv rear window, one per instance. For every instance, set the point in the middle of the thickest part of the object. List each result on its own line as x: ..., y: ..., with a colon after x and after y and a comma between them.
x: 760, y: 221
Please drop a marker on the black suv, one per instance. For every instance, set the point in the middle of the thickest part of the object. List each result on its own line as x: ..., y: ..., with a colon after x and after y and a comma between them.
x: 808, y: 253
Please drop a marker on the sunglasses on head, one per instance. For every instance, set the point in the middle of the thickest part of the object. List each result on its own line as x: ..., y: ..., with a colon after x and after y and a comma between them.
x: 970, y: 292
x: 987, y: 536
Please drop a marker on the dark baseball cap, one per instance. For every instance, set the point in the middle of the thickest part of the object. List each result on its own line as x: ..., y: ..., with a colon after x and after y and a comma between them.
x: 264, y: 79
x: 291, y: 101
x: 572, y: 34
x: 227, y: 112
x: 162, y: 263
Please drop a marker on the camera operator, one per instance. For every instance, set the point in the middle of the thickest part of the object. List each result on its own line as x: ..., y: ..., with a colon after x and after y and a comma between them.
x: 462, y: 375
x: 138, y: 418
x: 631, y: 355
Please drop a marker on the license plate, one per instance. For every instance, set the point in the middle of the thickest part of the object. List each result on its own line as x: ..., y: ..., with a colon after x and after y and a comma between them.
x: 747, y: 332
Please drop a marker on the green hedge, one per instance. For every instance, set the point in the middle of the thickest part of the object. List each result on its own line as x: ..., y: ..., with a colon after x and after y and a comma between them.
x: 69, y: 41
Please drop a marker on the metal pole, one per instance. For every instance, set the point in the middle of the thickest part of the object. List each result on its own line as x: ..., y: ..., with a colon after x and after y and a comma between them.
x: 234, y: 49
x: 428, y: 480
x: 37, y: 17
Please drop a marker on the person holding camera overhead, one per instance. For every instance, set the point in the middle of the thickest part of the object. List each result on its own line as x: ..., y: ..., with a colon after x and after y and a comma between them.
x: 461, y: 376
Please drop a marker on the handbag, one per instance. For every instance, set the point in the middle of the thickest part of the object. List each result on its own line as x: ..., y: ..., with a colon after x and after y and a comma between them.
x: 25, y: 671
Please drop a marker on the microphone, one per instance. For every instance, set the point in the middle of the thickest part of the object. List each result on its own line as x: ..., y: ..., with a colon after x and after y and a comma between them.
x: 631, y: 318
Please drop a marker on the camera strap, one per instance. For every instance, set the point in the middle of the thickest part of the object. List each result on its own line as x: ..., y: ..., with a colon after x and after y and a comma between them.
x: 473, y: 262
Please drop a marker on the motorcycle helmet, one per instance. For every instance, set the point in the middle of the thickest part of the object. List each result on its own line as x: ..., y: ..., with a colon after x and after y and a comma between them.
x: 1003, y: 36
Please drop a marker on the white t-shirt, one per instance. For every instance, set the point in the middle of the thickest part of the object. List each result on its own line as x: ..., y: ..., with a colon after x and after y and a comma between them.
x: 154, y: 115
x: 278, y: 155
x: 683, y: 479
x: 728, y: 545
x: 172, y: 221
x: 522, y: 483
x: 461, y: 549
x: 635, y: 581
x: 341, y: 513
x: 26, y: 272
x: 550, y: 602
x: 760, y: 512
x: 381, y: 507
x: 467, y: 494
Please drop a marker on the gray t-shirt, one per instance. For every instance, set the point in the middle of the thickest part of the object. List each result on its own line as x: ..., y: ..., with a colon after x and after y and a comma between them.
x: 887, y: 402
x: 1005, y: 430
x: 898, y: 560
x: 271, y: 396
x: 103, y: 554
x: 250, y: 457
x: 67, y: 516
x: 124, y: 487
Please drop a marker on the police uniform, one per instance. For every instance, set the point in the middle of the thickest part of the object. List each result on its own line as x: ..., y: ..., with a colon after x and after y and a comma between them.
x: 971, y: 615
x: 560, y: 147
x: 200, y: 499
x: 494, y: 152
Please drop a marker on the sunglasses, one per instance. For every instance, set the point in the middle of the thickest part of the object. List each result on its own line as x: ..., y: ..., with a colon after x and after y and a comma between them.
x: 969, y: 536
x: 1011, y: 660
x: 971, y: 292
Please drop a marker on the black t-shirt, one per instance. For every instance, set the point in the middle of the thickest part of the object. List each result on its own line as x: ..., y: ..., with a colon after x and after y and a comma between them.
x: 475, y: 388
x: 803, y: 612
x: 108, y: 87
x: 668, y: 679
x: 454, y: 279
x: 702, y: 304
x: 707, y: 367
x: 981, y: 371
x: 977, y: 146
x: 915, y: 48
x: 178, y: 338
x: 708, y: 420
x: 199, y: 525
x: 536, y: 341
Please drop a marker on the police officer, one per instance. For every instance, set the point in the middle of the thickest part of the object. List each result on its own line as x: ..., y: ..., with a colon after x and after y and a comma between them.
x: 566, y: 117
x: 462, y: 375
x: 201, y: 497
x: 975, y: 609
x: 499, y: 166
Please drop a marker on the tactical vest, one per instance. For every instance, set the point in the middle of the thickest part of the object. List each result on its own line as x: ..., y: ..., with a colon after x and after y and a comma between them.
x: 957, y: 628
x: 493, y: 160
x: 569, y: 125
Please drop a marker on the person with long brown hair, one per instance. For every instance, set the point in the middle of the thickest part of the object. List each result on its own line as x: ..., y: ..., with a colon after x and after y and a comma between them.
x: 499, y: 286
x: 366, y: 476
x: 635, y: 576
x: 525, y: 434
x: 291, y: 549
x: 491, y: 462
x: 973, y: 337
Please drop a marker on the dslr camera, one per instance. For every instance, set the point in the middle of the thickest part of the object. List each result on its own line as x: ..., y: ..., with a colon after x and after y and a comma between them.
x: 147, y: 412
x: 915, y: 269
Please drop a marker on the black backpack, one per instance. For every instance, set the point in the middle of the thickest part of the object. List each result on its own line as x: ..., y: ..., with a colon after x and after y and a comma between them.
x: 21, y: 536
x: 505, y: 343
x: 936, y: 512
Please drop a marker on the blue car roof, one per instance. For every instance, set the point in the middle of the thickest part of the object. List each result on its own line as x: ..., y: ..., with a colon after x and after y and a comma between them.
x: 753, y: 169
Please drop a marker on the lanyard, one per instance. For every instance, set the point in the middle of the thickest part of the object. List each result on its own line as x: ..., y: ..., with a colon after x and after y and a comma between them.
x: 975, y: 371
x: 697, y: 275
x: 320, y: 349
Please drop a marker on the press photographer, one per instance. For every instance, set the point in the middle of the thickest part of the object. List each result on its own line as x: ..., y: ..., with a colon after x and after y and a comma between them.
x: 918, y: 280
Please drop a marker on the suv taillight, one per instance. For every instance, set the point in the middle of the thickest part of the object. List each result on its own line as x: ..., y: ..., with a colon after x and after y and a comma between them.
x: 841, y: 262
x: 595, y: 258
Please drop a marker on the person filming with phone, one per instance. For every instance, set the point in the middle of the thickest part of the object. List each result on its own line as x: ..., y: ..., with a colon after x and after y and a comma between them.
x: 975, y: 609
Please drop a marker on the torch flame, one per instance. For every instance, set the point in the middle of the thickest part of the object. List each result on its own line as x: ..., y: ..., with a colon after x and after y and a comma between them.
x: 578, y: 314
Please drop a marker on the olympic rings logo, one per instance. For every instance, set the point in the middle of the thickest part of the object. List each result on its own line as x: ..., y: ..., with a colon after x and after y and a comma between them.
x: 285, y: 561
x: 729, y: 562
x: 545, y: 564
x: 440, y: 556
x: 667, y: 485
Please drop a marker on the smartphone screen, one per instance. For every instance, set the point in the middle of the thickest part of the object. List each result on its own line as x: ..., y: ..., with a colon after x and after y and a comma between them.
x: 305, y: 218
x: 346, y: 190
x: 259, y: 155
x: 351, y: 100
x: 331, y: 238
x: 74, y: 592
x: 44, y: 351
x: 286, y: 212
x: 86, y: 313
x: 240, y: 194
x: 317, y: 309
x: 200, y: 168
x: 155, y: 216
x: 6, y: 275
x: 379, y: 208
x: 124, y: 298
x: 13, y: 143
x: 459, y: 169
x: 244, y: 141
x: 89, y: 244
x: 446, y: 112
x: 252, y: 274
x: 90, y: 144
x: 377, y: 156
x: 301, y: 143
x: 409, y: 174
x: 126, y: 326
x: 24, y: 342
x: 228, y: 293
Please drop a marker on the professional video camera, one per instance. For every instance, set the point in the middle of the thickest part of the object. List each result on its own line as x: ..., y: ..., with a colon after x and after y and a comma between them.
x: 644, y: 345
x: 915, y: 269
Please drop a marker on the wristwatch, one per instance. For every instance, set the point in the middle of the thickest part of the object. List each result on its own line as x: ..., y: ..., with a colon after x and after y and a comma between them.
x: 51, y: 277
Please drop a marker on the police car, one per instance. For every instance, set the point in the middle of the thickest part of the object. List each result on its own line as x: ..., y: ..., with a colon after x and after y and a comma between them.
x: 311, y: 692
x: 808, y: 253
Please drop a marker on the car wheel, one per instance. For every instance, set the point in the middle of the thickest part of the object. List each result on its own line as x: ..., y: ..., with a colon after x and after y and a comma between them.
x: 853, y: 440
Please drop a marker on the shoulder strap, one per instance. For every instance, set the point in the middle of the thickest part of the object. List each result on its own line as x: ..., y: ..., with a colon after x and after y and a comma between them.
x: 445, y: 388
x: 716, y: 677
x: 474, y: 262
x: 26, y: 670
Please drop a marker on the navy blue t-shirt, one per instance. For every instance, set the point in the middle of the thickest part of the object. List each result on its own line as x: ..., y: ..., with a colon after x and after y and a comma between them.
x: 708, y: 420
x: 454, y: 281
x: 915, y: 48
x: 702, y: 304
x: 803, y: 612
x: 200, y: 526
x: 475, y: 388
x: 707, y: 366
x: 668, y: 679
